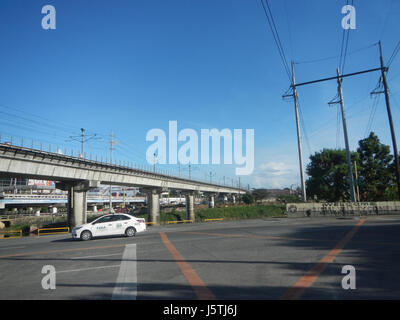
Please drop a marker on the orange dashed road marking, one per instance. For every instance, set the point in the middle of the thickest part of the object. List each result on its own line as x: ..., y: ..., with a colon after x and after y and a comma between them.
x: 297, y: 290
x: 198, y: 286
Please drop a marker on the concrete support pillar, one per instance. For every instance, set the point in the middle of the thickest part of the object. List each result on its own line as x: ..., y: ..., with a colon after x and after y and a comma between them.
x: 190, y: 206
x: 77, y: 206
x: 233, y: 199
x: 77, y: 203
x: 153, y: 206
x: 212, y: 201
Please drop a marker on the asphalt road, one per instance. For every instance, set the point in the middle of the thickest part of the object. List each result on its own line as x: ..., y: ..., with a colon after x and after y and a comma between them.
x: 282, y: 258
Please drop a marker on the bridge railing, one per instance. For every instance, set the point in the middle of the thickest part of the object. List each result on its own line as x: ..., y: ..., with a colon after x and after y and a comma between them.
x: 144, y: 170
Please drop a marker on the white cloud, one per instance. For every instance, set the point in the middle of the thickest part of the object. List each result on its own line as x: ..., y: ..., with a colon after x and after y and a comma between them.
x: 276, y: 174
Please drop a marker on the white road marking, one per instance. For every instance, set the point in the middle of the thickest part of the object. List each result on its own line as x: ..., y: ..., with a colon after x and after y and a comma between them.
x: 126, y: 284
x: 102, y: 255
x: 86, y: 269
x: 5, y: 248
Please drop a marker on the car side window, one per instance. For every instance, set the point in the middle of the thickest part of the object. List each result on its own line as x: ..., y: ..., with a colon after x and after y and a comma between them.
x: 105, y: 219
x: 121, y: 217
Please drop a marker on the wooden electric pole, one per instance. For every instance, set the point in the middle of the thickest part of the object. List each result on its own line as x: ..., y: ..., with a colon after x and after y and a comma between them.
x: 296, y: 109
x: 346, y: 139
x: 389, y: 112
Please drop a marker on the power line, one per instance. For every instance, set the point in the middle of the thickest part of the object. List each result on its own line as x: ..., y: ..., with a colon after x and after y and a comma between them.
x: 336, y: 56
x: 47, y: 122
x: 372, y: 115
x: 347, y: 44
x: 394, y: 54
x: 275, y: 34
x: 342, y: 44
x: 303, y: 125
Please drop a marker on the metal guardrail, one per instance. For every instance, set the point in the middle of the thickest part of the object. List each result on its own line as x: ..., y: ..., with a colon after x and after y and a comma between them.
x: 49, y: 229
x: 216, y: 219
x: 8, y: 232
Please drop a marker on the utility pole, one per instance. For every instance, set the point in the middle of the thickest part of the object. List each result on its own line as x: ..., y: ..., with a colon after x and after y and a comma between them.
x: 389, y: 112
x: 357, y: 188
x: 346, y: 139
x: 339, y: 78
x: 296, y: 109
x: 82, y: 141
x: 82, y: 138
x: 124, y: 190
x: 240, y: 197
x: 112, y: 144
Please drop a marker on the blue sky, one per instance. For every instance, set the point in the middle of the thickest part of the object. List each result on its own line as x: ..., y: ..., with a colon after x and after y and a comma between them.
x: 131, y: 66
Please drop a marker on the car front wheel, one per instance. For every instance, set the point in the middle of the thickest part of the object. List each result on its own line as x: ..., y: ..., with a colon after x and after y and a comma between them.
x: 86, y: 235
x: 130, y: 232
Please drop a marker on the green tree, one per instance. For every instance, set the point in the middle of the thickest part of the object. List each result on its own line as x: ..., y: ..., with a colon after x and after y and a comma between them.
x: 260, y: 194
x: 376, y: 176
x: 248, y: 198
x: 328, y: 175
x: 289, y: 198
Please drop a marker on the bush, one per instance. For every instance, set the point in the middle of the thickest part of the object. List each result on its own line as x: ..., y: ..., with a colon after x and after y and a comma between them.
x: 248, y: 198
x: 240, y: 212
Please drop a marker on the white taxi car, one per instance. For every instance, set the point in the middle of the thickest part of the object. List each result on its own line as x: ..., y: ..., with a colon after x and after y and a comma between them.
x: 110, y: 225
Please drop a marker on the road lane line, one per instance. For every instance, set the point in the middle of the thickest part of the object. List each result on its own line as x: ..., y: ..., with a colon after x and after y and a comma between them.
x: 86, y: 269
x: 5, y: 248
x: 198, y: 286
x: 297, y: 290
x: 249, y: 236
x: 102, y: 255
x: 59, y: 251
x: 126, y: 285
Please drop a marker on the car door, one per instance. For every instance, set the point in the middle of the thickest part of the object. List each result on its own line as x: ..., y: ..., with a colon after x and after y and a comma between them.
x: 104, y: 226
x: 121, y: 223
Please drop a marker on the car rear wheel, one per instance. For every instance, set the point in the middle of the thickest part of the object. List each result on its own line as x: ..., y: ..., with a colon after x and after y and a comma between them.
x: 86, y: 235
x: 130, y: 232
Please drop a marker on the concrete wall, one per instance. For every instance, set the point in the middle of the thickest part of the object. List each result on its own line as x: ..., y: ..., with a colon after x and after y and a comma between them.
x: 342, y: 208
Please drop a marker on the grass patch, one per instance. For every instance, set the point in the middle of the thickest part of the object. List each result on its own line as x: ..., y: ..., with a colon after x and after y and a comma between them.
x: 227, y: 213
x: 24, y: 226
x: 240, y: 212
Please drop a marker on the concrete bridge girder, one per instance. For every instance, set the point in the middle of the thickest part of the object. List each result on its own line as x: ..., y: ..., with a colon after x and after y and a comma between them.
x: 23, y: 162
